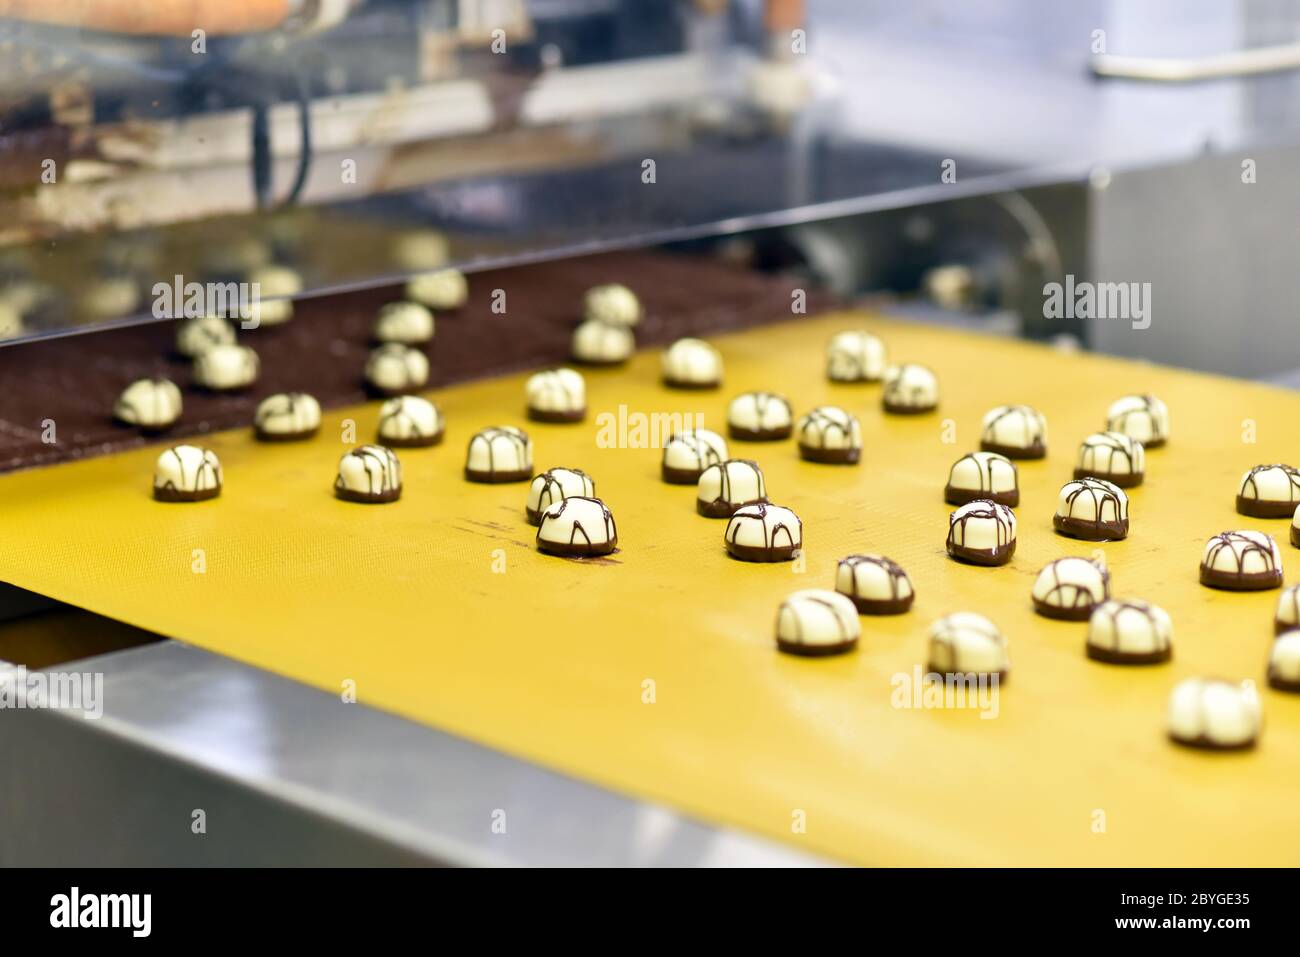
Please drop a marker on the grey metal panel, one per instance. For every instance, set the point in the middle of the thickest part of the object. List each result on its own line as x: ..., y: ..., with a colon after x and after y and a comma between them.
x: 289, y: 775
x: 1221, y: 258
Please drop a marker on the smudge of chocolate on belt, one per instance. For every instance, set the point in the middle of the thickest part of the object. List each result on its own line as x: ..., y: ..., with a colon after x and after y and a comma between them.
x: 75, y: 380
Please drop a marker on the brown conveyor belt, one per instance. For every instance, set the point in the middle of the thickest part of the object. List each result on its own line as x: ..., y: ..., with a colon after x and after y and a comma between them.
x: 323, y: 349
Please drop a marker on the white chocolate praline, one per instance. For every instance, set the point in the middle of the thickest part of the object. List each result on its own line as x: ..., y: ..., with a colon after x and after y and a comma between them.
x: 967, y: 643
x: 11, y: 321
x: 612, y: 303
x: 409, y: 419
x: 759, y: 412
x: 110, y: 297
x: 1272, y: 483
x: 984, y: 472
x: 602, y: 342
x: 420, y: 249
x: 200, y: 333
x: 692, y: 362
x: 1284, y: 661
x: 816, y: 618
x: 287, y: 413
x: 226, y: 367
x: 732, y: 483
x: 577, y: 522
x: 557, y: 392
x: 1288, y: 608
x: 406, y: 322
x: 1130, y: 627
x: 1111, y: 453
x: 442, y: 289
x: 187, y: 469
x: 855, y: 356
x: 275, y: 285
x: 910, y: 386
x: 1210, y: 712
x: 1014, y: 427
x: 372, y: 471
x: 872, y: 577
x: 765, y: 527
x: 1092, y: 500
x: 966, y: 621
x: 499, y: 449
x: 394, y: 367
x: 982, y: 525
x: 1072, y: 583
x: 149, y: 404
x: 694, y: 450
x: 830, y: 427
x: 1242, y: 553
x: 1141, y: 417
x: 557, y: 484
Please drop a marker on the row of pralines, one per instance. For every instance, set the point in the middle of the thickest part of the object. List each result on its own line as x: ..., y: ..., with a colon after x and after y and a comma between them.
x: 1206, y: 713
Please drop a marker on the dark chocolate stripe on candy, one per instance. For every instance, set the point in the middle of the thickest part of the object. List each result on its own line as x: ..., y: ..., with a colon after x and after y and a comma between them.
x: 1031, y: 416
x: 1120, y: 422
x: 517, y: 437
x: 155, y: 396
x: 705, y: 453
x: 1114, y: 608
x: 991, y: 510
x: 285, y: 403
x: 611, y: 532
x: 798, y: 623
x: 374, y: 457
x: 401, y: 416
x: 986, y: 468
x: 205, y: 473
x: 551, y: 486
x: 1101, y: 492
x: 1082, y: 597
x: 892, y: 569
x: 552, y: 381
x: 758, y: 513
x: 894, y: 393
x: 1248, y: 546
x: 828, y: 424
x: 1113, y: 443
x: 1292, y: 475
x: 725, y: 492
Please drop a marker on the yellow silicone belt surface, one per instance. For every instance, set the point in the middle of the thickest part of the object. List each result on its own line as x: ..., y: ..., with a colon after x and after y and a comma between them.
x: 655, y: 673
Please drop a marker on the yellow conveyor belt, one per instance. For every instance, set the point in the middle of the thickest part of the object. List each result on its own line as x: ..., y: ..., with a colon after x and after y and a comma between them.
x: 439, y: 608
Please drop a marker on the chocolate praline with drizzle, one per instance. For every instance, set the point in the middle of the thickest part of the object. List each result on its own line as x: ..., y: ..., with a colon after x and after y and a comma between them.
x: 370, y: 475
x: 983, y: 475
x: 555, y: 485
x: 1241, y: 561
x: 577, y: 527
x: 830, y: 435
x: 764, y: 533
x: 1112, y: 457
x: 1092, y: 509
x: 1269, y: 491
x: 875, y: 584
x: 1068, y: 589
x: 499, y: 453
x: 687, y: 454
x: 725, y: 488
x: 1129, y: 632
x: 759, y: 417
x: 1016, y: 431
x: 815, y: 622
x: 982, y: 533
